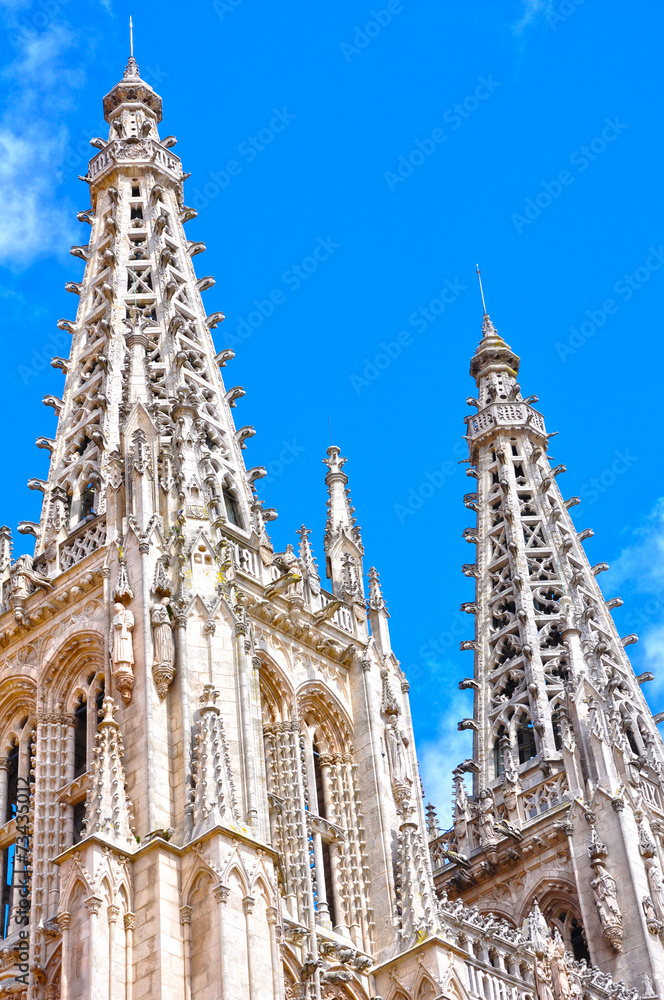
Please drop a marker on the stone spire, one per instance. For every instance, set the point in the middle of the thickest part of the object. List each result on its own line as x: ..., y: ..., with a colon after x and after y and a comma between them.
x: 108, y: 812
x: 418, y: 904
x: 378, y: 613
x: 343, y: 542
x: 308, y: 561
x: 213, y: 795
x: 560, y: 725
x: 145, y: 430
x: 542, y: 624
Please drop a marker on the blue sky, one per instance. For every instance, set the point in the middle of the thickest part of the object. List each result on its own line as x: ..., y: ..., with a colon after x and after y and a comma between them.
x: 410, y: 140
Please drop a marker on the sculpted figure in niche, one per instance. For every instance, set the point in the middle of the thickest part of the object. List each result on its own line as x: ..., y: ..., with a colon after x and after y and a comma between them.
x: 562, y: 986
x: 397, y: 744
x: 460, y: 811
x: 163, y: 670
x: 22, y: 581
x: 543, y: 978
x: 604, y: 891
x: 123, y: 651
x: 656, y: 883
x: 487, y: 820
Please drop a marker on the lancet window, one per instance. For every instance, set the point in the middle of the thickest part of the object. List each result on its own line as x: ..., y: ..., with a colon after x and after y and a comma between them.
x: 15, y: 770
x: 85, y: 714
x: 232, y: 506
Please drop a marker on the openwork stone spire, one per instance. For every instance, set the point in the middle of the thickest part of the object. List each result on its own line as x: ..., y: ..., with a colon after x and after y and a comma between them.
x: 563, y: 740
x: 417, y: 897
x: 343, y: 542
x: 145, y: 430
x: 542, y: 625
x: 108, y: 812
x: 213, y: 795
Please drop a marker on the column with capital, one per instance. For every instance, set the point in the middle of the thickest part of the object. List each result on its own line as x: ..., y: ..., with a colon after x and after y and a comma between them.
x: 129, y: 921
x: 185, y: 920
x: 93, y: 904
x: 112, y: 914
x: 275, y: 956
x: 221, y: 893
x: 64, y: 919
x: 248, y: 907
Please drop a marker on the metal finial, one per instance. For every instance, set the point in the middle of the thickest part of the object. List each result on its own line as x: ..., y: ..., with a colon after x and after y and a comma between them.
x: 479, y: 278
x: 329, y: 422
x: 131, y: 37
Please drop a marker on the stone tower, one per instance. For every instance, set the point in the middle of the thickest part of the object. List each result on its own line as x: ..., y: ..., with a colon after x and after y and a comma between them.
x: 208, y: 780
x: 567, y: 803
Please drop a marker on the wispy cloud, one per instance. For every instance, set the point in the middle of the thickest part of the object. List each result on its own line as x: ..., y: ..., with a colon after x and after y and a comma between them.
x: 639, y: 570
x: 533, y: 10
x: 39, y: 87
x: 440, y: 756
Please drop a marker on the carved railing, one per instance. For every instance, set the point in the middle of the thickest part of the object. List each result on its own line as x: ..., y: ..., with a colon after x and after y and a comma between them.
x: 82, y: 542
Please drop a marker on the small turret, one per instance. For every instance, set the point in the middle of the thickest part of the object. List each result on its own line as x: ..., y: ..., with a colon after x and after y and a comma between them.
x: 343, y: 543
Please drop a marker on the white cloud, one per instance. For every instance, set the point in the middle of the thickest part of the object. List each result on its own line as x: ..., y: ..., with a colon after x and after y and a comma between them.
x: 439, y: 757
x: 39, y: 90
x: 532, y: 11
x: 639, y: 572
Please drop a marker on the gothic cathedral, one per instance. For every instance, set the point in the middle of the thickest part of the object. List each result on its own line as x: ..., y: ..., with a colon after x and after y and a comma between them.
x: 208, y: 780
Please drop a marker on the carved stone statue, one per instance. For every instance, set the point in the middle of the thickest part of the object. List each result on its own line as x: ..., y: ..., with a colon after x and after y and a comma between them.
x: 487, y: 819
x: 123, y: 651
x: 562, y: 987
x: 656, y: 884
x: 604, y: 892
x: 543, y: 978
x: 163, y: 669
x: 397, y: 746
x: 460, y: 811
x: 23, y: 580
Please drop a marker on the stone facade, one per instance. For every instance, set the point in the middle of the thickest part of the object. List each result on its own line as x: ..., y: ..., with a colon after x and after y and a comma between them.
x: 568, y: 765
x: 208, y: 779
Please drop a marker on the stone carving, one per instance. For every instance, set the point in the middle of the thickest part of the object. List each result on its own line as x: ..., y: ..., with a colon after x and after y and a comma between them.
x: 23, y: 580
x: 107, y: 808
x: 122, y: 591
x: 397, y: 748
x: 562, y: 986
x: 486, y: 815
x: 212, y: 798
x: 123, y: 651
x: 656, y: 885
x: 163, y: 669
x: 604, y: 893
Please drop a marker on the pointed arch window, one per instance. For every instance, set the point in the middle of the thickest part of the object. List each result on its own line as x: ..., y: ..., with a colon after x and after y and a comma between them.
x: 498, y: 762
x: 318, y: 775
x: 12, y: 780
x: 631, y: 739
x: 88, y: 502
x: 80, y: 737
x: 525, y: 741
x: 232, y: 506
